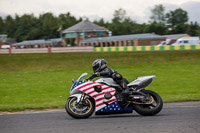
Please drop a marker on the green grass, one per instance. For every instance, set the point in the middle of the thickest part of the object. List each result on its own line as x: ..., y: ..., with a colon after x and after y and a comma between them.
x: 35, y: 81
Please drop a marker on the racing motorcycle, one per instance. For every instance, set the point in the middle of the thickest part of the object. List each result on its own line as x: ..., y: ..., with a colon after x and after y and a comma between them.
x: 104, y: 97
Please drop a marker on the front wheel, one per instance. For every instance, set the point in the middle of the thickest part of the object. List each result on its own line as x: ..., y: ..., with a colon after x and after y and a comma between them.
x: 149, y: 109
x: 78, y: 111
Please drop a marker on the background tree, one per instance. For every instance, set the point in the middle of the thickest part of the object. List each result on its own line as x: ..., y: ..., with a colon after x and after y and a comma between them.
x: 117, y: 22
x: 177, y: 17
x: 177, y: 20
x: 1, y: 26
x: 66, y: 20
x: 9, y: 26
x: 48, y: 25
x: 192, y: 28
x: 119, y: 15
x: 122, y: 24
x: 101, y: 22
x: 26, y: 24
x: 158, y: 14
x: 156, y: 28
x: 198, y: 32
x: 29, y: 27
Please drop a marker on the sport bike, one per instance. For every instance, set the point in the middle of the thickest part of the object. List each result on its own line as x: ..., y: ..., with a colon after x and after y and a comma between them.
x: 104, y: 97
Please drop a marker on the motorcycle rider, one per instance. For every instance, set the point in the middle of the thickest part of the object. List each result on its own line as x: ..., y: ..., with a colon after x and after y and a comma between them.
x: 100, y: 69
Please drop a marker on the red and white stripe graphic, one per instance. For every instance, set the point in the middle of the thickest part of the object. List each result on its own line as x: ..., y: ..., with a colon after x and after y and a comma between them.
x: 88, y: 88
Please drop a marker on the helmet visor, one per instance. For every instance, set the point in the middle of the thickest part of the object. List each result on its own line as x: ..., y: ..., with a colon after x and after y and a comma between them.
x: 95, y: 69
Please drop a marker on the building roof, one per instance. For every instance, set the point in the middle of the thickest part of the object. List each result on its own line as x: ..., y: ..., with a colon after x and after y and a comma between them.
x: 85, y: 26
x: 124, y: 37
x: 35, y: 42
x: 174, y: 36
x: 3, y: 37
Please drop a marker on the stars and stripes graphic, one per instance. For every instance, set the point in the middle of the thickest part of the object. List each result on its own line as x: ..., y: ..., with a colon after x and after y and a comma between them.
x: 101, y: 101
x: 114, y: 108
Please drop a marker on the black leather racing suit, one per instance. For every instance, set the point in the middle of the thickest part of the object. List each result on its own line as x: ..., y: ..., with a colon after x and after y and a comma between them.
x: 111, y: 73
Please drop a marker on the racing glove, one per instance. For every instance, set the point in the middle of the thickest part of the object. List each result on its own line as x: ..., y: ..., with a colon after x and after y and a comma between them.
x: 97, y: 74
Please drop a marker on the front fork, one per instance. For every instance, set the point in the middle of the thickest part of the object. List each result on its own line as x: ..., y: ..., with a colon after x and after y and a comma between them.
x: 81, y: 98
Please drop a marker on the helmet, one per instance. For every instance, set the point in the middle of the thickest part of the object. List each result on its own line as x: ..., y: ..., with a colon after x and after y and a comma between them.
x: 98, y: 65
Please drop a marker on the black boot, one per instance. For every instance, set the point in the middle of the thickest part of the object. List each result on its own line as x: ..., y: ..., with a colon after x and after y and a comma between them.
x: 126, y: 92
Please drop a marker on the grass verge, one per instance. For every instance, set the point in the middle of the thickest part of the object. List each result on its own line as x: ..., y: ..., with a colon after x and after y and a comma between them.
x: 36, y: 81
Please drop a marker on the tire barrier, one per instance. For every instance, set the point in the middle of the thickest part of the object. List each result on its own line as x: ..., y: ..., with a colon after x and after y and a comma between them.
x: 147, y: 48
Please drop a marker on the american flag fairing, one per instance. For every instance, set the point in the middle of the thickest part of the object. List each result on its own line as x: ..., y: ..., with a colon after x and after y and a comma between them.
x: 101, y: 101
x: 103, y: 104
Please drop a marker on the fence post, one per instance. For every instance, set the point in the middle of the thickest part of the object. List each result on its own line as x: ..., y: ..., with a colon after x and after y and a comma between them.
x: 10, y: 50
x: 49, y: 49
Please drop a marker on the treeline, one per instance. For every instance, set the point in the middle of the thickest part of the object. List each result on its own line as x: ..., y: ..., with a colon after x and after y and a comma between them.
x: 172, y: 22
x: 29, y: 27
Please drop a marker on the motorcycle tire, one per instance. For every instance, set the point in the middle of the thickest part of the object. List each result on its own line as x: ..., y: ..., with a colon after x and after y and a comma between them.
x: 149, y: 109
x: 77, y: 114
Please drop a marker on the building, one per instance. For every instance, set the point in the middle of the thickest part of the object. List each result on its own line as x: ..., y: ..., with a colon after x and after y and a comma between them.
x: 88, y: 34
x: 175, y: 36
x: 84, y: 30
x: 56, y: 42
x: 3, y: 39
x: 124, y: 40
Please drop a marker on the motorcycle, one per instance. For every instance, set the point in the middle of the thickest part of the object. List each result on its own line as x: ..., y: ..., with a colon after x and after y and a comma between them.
x: 104, y: 97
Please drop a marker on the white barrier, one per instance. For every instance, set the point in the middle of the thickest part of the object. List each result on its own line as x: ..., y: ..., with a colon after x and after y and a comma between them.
x: 48, y: 50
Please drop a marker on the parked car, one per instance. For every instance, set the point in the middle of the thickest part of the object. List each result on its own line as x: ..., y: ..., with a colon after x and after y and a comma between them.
x: 187, y: 41
x: 162, y: 43
x: 170, y: 41
x: 5, y: 46
x: 167, y: 42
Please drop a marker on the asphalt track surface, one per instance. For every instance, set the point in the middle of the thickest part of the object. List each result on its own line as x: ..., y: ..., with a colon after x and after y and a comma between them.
x: 174, y: 118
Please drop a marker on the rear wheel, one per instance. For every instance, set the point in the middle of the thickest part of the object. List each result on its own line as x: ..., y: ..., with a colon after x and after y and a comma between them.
x: 149, y: 109
x: 78, y: 111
